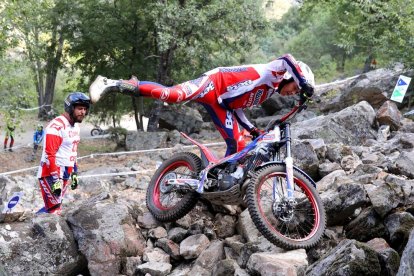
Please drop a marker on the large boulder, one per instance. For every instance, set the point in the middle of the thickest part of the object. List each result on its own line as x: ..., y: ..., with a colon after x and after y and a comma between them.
x: 139, y: 140
x: 348, y: 258
x: 374, y: 87
x: 351, y: 126
x: 181, y: 118
x: 106, y: 234
x: 43, y: 246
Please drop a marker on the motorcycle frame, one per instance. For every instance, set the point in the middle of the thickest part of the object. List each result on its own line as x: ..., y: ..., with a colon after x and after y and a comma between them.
x: 210, y: 160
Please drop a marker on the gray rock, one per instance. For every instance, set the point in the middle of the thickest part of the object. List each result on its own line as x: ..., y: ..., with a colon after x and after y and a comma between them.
x: 139, y: 140
x: 182, y: 269
x: 388, y: 114
x: 148, y: 221
x: 350, y: 126
x: 399, y: 226
x: 155, y: 268
x: 155, y: 255
x: 342, y: 202
x: 157, y: 233
x: 384, y: 196
x: 170, y: 247
x: 290, y: 263
x: 389, y: 261
x: 235, y: 243
x: 333, y: 180
x: 105, y: 233
x: 249, y: 232
x: 407, y: 264
x: 177, y: 234
x: 43, y: 246
x: 211, y: 255
x: 131, y: 265
x: 404, y: 164
x: 306, y: 158
x: 192, y: 246
x: 180, y: 117
x: 198, y: 270
x: 366, y: 226
x: 224, y: 268
x: 348, y: 258
x: 225, y: 226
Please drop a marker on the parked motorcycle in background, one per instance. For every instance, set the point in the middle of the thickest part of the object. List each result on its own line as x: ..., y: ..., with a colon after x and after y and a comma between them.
x: 97, y: 130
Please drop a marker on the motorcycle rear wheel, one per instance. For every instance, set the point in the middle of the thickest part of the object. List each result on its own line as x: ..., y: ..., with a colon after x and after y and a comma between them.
x: 287, y: 225
x: 165, y: 203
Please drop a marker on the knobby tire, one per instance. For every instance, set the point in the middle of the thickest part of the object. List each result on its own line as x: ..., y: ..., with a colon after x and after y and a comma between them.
x: 308, y: 219
x: 180, y: 165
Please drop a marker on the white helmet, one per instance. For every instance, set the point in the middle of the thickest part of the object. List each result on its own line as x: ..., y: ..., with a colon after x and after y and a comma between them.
x: 306, y: 71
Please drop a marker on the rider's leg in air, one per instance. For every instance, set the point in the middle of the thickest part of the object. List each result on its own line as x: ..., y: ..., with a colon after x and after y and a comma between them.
x: 201, y: 90
x: 133, y: 87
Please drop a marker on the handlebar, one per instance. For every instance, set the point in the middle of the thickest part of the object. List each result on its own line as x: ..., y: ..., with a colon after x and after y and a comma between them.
x: 301, y: 105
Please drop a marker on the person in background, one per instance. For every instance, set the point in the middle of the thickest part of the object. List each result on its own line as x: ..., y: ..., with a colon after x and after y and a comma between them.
x: 58, y: 163
x: 10, y: 127
x: 224, y: 92
x: 37, y: 137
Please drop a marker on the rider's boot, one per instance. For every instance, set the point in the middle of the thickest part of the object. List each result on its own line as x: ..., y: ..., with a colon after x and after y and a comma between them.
x: 102, y: 86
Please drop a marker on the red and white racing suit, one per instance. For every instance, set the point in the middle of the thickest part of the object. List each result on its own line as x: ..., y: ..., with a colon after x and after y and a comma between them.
x: 226, y: 91
x: 58, y: 159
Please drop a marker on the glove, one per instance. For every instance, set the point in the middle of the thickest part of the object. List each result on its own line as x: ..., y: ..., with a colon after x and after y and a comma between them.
x: 74, y: 181
x: 56, y: 187
x: 255, y: 132
x: 307, y: 89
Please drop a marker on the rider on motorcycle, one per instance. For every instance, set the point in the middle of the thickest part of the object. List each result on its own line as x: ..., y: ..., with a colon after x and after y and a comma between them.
x: 224, y: 92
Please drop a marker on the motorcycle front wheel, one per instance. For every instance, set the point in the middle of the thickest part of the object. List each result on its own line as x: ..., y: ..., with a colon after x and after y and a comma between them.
x: 290, y: 223
x: 167, y: 203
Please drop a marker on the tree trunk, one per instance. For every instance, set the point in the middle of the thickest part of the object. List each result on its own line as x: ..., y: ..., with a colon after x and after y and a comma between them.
x: 52, y: 65
x: 163, y: 74
x: 138, y: 123
x: 141, y: 112
x: 367, y: 63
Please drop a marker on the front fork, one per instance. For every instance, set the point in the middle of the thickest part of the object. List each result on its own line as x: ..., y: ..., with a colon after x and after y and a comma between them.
x: 289, y: 170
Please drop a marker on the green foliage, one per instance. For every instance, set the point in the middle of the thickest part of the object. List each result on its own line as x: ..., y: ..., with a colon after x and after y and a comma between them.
x: 16, y: 92
x: 381, y: 28
x: 163, y: 41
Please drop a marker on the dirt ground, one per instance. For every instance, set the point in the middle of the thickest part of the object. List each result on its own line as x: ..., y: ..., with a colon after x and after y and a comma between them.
x: 21, y: 157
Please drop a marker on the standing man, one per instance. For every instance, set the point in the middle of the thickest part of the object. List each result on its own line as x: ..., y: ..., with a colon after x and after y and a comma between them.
x: 10, y: 127
x: 60, y: 145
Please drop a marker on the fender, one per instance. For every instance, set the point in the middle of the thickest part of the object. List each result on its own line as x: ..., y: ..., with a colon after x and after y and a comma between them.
x: 206, y: 155
x: 294, y: 167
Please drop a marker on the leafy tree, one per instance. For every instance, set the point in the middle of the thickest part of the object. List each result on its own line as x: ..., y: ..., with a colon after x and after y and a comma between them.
x: 39, y: 26
x: 165, y: 41
x: 375, y: 28
x: 16, y: 92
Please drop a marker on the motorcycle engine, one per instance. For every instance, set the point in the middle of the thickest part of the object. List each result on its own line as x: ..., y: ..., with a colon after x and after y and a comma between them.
x: 226, y: 178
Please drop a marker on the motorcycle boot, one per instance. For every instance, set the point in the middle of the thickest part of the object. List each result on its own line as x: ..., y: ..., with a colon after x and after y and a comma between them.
x: 102, y: 85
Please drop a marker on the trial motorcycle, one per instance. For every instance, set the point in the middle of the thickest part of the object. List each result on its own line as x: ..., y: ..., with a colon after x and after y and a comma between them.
x: 282, y: 199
